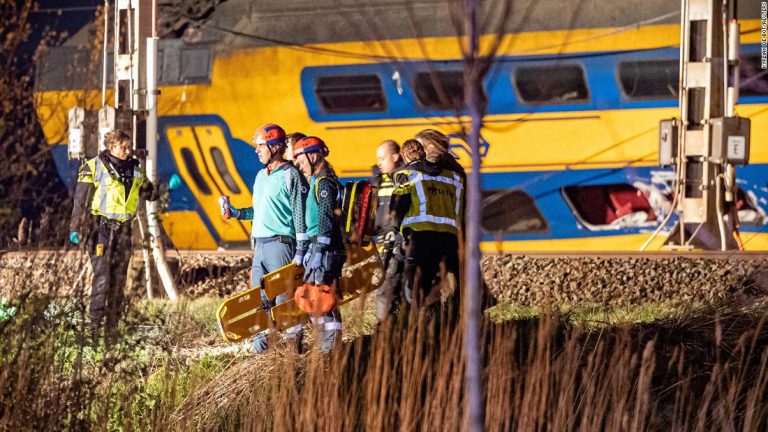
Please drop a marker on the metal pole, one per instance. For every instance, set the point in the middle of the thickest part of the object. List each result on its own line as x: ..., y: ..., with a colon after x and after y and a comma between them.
x: 156, y: 243
x: 472, y: 292
x: 147, y: 259
x: 683, y: 103
x: 104, y: 55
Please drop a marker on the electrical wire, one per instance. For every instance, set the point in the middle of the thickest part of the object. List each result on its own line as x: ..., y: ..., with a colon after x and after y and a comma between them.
x: 359, y: 55
x: 59, y: 10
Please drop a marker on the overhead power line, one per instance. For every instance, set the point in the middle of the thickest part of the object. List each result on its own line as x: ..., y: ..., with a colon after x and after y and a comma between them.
x: 65, y: 9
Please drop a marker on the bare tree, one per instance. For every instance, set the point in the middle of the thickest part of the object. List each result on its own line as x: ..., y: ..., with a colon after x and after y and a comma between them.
x: 28, y: 182
x: 476, y: 66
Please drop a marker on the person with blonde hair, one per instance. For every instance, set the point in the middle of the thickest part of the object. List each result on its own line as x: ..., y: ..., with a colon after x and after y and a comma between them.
x: 413, y: 151
x: 437, y: 150
x: 428, y: 200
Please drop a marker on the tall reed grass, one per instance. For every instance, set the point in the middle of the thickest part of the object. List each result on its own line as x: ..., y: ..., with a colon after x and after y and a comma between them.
x: 705, y: 372
x: 701, y: 371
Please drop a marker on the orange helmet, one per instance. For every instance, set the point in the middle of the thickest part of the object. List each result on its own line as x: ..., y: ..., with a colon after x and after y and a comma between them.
x: 269, y: 134
x: 310, y: 144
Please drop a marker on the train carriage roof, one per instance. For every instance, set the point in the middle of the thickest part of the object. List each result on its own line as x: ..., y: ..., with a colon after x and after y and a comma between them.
x: 236, y: 24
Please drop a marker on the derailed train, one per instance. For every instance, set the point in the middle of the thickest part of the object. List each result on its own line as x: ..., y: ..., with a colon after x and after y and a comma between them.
x: 569, y: 143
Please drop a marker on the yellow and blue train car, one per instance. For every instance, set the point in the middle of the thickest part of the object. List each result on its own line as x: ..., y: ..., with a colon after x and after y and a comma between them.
x: 569, y: 143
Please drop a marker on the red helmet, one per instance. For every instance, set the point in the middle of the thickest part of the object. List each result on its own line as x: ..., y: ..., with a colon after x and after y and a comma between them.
x: 269, y: 134
x: 310, y: 144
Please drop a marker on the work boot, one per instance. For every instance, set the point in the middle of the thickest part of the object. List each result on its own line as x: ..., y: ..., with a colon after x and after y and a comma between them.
x: 295, y: 342
x: 327, y: 340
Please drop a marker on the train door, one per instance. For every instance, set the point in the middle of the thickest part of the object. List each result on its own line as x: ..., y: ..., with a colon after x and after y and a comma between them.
x: 206, y: 165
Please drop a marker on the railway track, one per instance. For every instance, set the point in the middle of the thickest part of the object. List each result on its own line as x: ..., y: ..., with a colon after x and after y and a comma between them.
x: 525, y: 278
x: 735, y: 255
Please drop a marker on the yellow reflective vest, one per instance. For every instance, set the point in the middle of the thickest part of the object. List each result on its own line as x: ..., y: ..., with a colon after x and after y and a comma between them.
x: 436, y: 200
x: 386, y: 187
x: 109, y: 198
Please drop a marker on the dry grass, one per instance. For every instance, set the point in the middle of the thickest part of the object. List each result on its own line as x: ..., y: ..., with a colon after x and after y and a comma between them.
x: 707, y: 372
x: 706, y: 369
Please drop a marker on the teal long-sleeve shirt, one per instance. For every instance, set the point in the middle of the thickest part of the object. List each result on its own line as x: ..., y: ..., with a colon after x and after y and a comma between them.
x: 279, y: 200
x: 323, y: 207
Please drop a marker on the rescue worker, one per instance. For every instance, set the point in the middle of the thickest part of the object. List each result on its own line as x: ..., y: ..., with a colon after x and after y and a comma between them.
x: 323, y: 264
x: 438, y: 153
x: 107, y: 195
x: 428, y: 200
x: 412, y: 152
x: 278, y: 232
x: 436, y: 147
x: 387, y: 231
x: 291, y: 139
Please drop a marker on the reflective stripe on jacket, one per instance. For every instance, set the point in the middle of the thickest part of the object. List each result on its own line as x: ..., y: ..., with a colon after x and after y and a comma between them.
x: 435, y: 201
x: 385, y: 221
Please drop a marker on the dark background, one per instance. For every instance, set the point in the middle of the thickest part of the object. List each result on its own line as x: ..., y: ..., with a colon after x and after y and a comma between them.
x: 34, y: 204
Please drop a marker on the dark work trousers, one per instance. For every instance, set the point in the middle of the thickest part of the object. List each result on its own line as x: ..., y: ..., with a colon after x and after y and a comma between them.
x: 389, y: 293
x: 431, y: 266
x: 110, y: 252
x: 328, y: 325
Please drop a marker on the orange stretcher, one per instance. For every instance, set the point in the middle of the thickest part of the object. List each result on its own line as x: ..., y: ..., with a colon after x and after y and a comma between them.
x: 242, y: 316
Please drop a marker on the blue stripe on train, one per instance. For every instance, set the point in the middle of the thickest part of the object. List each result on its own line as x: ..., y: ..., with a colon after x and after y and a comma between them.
x: 600, y: 72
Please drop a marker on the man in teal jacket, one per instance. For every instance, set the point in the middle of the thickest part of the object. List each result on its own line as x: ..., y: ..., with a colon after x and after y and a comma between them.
x: 279, y: 230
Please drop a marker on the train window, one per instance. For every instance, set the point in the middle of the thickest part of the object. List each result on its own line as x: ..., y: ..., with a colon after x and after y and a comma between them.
x: 160, y: 64
x: 556, y: 84
x: 610, y: 206
x: 753, y: 80
x: 440, y: 89
x: 652, y: 79
x: 350, y: 94
x: 189, y: 161
x: 195, y: 65
x: 110, y: 69
x: 511, y: 211
x: 749, y: 213
x: 221, y: 167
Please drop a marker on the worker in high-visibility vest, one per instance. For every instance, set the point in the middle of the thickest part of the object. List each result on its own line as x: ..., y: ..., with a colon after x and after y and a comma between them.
x: 387, y: 229
x: 429, y: 201
x: 323, y: 263
x: 107, y: 195
x: 278, y: 231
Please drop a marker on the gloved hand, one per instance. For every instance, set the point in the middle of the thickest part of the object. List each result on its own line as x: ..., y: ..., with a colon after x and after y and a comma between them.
x: 300, y: 257
x: 314, y: 267
x: 389, y: 239
x: 174, y: 182
x: 74, y: 238
x: 307, y: 258
x: 227, y: 211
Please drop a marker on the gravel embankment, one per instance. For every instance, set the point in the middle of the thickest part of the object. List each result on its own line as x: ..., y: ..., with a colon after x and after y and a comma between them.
x: 510, y: 278
x: 615, y: 281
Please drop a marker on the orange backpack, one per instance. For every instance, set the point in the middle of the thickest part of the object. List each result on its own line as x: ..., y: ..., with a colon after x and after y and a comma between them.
x: 315, y: 299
